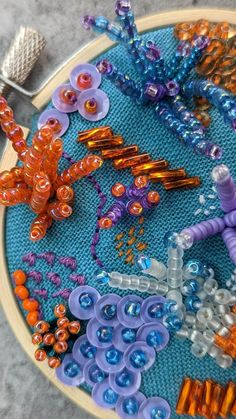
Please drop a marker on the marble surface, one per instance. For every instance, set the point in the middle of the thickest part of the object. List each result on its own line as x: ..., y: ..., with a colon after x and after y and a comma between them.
x: 24, y: 392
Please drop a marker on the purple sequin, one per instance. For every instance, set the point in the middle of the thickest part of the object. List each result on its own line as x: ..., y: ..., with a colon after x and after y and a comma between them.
x: 102, y: 101
x: 62, y: 118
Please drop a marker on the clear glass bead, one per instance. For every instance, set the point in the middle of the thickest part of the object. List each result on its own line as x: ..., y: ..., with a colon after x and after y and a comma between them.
x: 222, y: 296
x: 210, y: 286
x: 204, y: 314
x: 199, y: 349
x: 224, y: 361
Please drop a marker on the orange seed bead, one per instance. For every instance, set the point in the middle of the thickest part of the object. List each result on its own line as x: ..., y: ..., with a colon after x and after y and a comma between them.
x: 118, y: 190
x: 21, y: 292
x: 60, y: 347
x: 49, y: 339
x: 37, y: 338
x: 105, y: 222
x: 19, y: 277
x: 135, y: 208
x: 30, y: 304
x: 65, y: 193
x: 40, y: 355
x: 59, y: 310
x: 54, y: 362
x: 41, y: 326
x: 32, y: 317
x: 61, y: 334
x: 63, y: 322
x: 74, y: 327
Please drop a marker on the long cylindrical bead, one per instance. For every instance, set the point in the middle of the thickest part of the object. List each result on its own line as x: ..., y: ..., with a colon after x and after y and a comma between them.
x: 39, y: 227
x: 138, y: 283
x: 126, y: 162
x: 78, y: 170
x: 190, y: 182
x: 51, y: 158
x: 174, y: 267
x: 188, y: 64
x: 96, y: 133
x: 115, y: 141
x: 228, y: 400
x: 59, y: 210
x: 113, y: 215
x: 15, y: 196
x: 205, y: 229
x: 216, y: 402
x: 195, y: 398
x: 152, y: 166
x: 183, y: 401
x: 225, y: 187
x: 229, y: 237
x: 41, y: 192
x: 165, y: 175
x: 120, y: 152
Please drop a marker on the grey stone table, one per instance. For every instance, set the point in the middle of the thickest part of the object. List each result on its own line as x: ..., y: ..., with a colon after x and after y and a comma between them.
x: 24, y: 392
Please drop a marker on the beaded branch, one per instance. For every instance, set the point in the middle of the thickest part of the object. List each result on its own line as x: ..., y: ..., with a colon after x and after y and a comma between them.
x: 163, y: 84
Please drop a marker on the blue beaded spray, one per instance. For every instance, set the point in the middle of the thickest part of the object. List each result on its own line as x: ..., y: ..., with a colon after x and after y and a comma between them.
x: 163, y: 84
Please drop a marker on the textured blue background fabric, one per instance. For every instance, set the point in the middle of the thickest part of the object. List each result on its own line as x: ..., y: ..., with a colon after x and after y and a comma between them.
x: 73, y: 237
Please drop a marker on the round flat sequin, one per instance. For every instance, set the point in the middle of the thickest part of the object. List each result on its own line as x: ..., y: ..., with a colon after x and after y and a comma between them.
x: 70, y: 371
x: 82, y: 350
x: 85, y: 76
x: 139, y: 357
x: 106, y: 309
x: 58, y: 121
x: 104, y: 395
x: 110, y: 359
x: 102, y: 104
x: 128, y: 406
x: 65, y: 98
x: 125, y: 382
x: 153, y: 407
x: 82, y: 301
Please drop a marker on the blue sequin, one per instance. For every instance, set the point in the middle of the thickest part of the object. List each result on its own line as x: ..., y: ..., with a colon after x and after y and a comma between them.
x: 113, y: 356
x: 128, y: 335
x: 109, y: 396
x: 109, y: 311
x: 132, y: 309
x: 130, y: 406
x: 72, y: 369
x: 86, y: 300
x: 87, y: 350
x: 124, y: 379
x: 105, y: 334
x: 154, y: 339
x: 138, y: 358
x: 96, y: 375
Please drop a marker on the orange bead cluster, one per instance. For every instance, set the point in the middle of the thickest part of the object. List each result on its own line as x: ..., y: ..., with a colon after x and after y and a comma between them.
x: 127, y: 247
x: 207, y: 399
x: 218, y: 60
x: 111, y: 147
x: 29, y: 304
x: 54, y: 339
x: 228, y: 343
x: 37, y: 183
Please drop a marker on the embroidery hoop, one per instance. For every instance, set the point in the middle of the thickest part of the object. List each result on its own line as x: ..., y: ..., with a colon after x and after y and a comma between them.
x: 9, y: 159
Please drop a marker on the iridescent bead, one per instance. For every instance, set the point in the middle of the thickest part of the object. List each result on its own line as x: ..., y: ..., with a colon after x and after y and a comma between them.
x: 96, y: 375
x: 105, y: 334
x: 193, y: 268
x: 144, y: 262
x: 113, y: 356
x: 157, y: 413
x: 193, y: 303
x: 138, y: 359
x: 156, y: 311
x: 101, y: 277
x: 86, y: 300
x: 128, y: 335
x: 130, y: 406
x: 170, y: 239
x: 170, y: 306
x: 109, y: 311
x: 154, y: 339
x: 190, y: 287
x: 109, y: 396
x: 72, y: 369
x: 87, y: 350
x: 172, y: 322
x: 132, y: 309
x: 124, y: 378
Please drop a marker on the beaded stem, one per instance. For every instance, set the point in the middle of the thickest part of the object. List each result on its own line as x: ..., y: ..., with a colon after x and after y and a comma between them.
x: 205, y: 229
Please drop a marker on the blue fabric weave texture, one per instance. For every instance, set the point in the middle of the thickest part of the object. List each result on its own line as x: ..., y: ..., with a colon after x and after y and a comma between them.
x: 72, y: 237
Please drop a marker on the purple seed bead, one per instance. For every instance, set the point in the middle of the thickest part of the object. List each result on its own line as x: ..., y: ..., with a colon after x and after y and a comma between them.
x: 205, y: 229
x: 122, y: 7
x: 201, y: 42
x: 225, y: 187
x: 173, y: 88
x: 153, y: 53
x: 229, y: 237
x: 154, y: 92
x: 184, y: 48
x: 104, y: 67
x: 87, y: 22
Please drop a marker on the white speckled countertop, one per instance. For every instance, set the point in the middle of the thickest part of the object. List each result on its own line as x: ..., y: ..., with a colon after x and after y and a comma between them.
x: 24, y: 392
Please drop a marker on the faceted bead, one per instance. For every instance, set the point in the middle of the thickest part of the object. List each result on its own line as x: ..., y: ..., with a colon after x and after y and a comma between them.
x: 132, y: 309
x: 132, y: 161
x: 72, y: 369
x: 95, y: 133
x: 191, y: 182
x: 105, y: 334
x: 121, y: 152
x: 99, y: 144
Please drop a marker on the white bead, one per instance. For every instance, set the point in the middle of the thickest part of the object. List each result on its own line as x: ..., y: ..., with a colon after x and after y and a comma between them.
x: 214, y: 351
x: 162, y: 288
x: 222, y: 296
x: 176, y: 296
x: 214, y: 324
x: 195, y: 336
x: 200, y: 326
x: 157, y: 269
x: 183, y: 333
x: 233, y: 298
x: 209, y: 336
x: 222, y: 309
x: 199, y: 349
x: 220, y: 173
x: 224, y: 332
x: 224, y: 361
x: 190, y: 319
x: 210, y: 286
x: 143, y: 284
x: 229, y: 319
x: 204, y: 314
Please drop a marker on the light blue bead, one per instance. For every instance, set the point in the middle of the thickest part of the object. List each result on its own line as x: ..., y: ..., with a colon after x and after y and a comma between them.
x: 87, y: 350
x: 138, y: 358
x: 86, y: 300
x: 96, y: 375
x: 132, y: 309
x: 109, y: 396
x: 130, y: 406
x: 101, y: 24
x: 124, y: 378
x: 170, y: 239
x: 156, y: 311
x: 172, y: 322
x: 114, y: 32
x: 194, y: 268
x: 105, y: 334
x: 113, y: 356
x: 170, y: 306
x: 193, y: 303
x: 109, y: 311
x: 101, y: 277
x: 143, y: 262
x: 72, y: 369
x: 154, y: 339
x: 128, y: 335
x: 157, y: 413
x: 191, y: 287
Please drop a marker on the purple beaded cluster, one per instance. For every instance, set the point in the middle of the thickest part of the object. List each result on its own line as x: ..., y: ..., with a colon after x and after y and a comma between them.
x: 225, y: 225
x: 163, y: 84
x: 121, y: 341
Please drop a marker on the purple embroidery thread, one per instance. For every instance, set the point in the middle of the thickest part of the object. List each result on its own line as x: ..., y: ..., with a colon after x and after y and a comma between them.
x: 65, y: 293
x: 49, y: 257
x: 68, y: 262
x: 36, y: 276
x: 54, y: 278
x: 29, y: 258
x: 41, y: 293
x: 79, y: 279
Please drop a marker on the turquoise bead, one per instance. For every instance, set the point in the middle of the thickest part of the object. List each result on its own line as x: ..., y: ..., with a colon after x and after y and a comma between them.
x: 109, y: 311
x: 124, y: 379
x: 138, y: 359
x: 144, y: 262
x: 156, y: 311
x: 113, y: 356
x: 154, y: 339
x: 85, y: 300
x: 101, y: 277
x: 157, y: 413
x: 96, y: 375
x: 87, y: 350
x: 105, y: 334
x: 128, y: 335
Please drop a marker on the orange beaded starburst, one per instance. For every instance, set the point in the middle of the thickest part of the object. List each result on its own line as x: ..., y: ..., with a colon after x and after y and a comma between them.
x: 37, y: 183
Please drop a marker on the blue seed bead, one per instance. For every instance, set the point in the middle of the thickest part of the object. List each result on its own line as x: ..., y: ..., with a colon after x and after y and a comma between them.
x: 114, y: 32
x: 105, y: 333
x: 124, y: 378
x: 85, y: 300
x: 109, y: 396
x: 128, y: 335
x: 143, y: 262
x: 170, y: 306
x: 113, y: 356
x: 154, y: 339
x: 194, y: 267
x: 138, y: 359
x: 96, y: 375
x: 172, y: 322
x: 191, y: 287
x: 193, y: 303
x: 87, y: 350
x: 72, y: 369
x: 109, y: 311
x: 130, y: 406
x: 157, y: 413
x: 170, y: 239
x: 132, y: 309
x: 101, y: 24
x: 156, y: 311
x: 101, y: 277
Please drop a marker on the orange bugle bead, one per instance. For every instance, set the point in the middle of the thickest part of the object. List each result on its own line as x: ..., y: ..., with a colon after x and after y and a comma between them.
x: 184, y: 31
x: 233, y: 410
x: 204, y: 407
x: 59, y: 210
x: 95, y: 133
x: 41, y: 192
x: 228, y: 400
x: 15, y: 196
x: 51, y: 158
x: 79, y: 169
x: 40, y: 355
x: 120, y: 152
x: 125, y: 162
x: 216, y: 400
x: 195, y: 398
x: 166, y: 175
x: 183, y: 400
x: 191, y: 182
x: 54, y: 362
x: 65, y: 194
x: 39, y: 226
x: 152, y: 166
x: 98, y: 144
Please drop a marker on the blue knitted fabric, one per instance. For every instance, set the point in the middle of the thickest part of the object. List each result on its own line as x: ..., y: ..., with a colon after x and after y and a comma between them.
x: 73, y: 237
